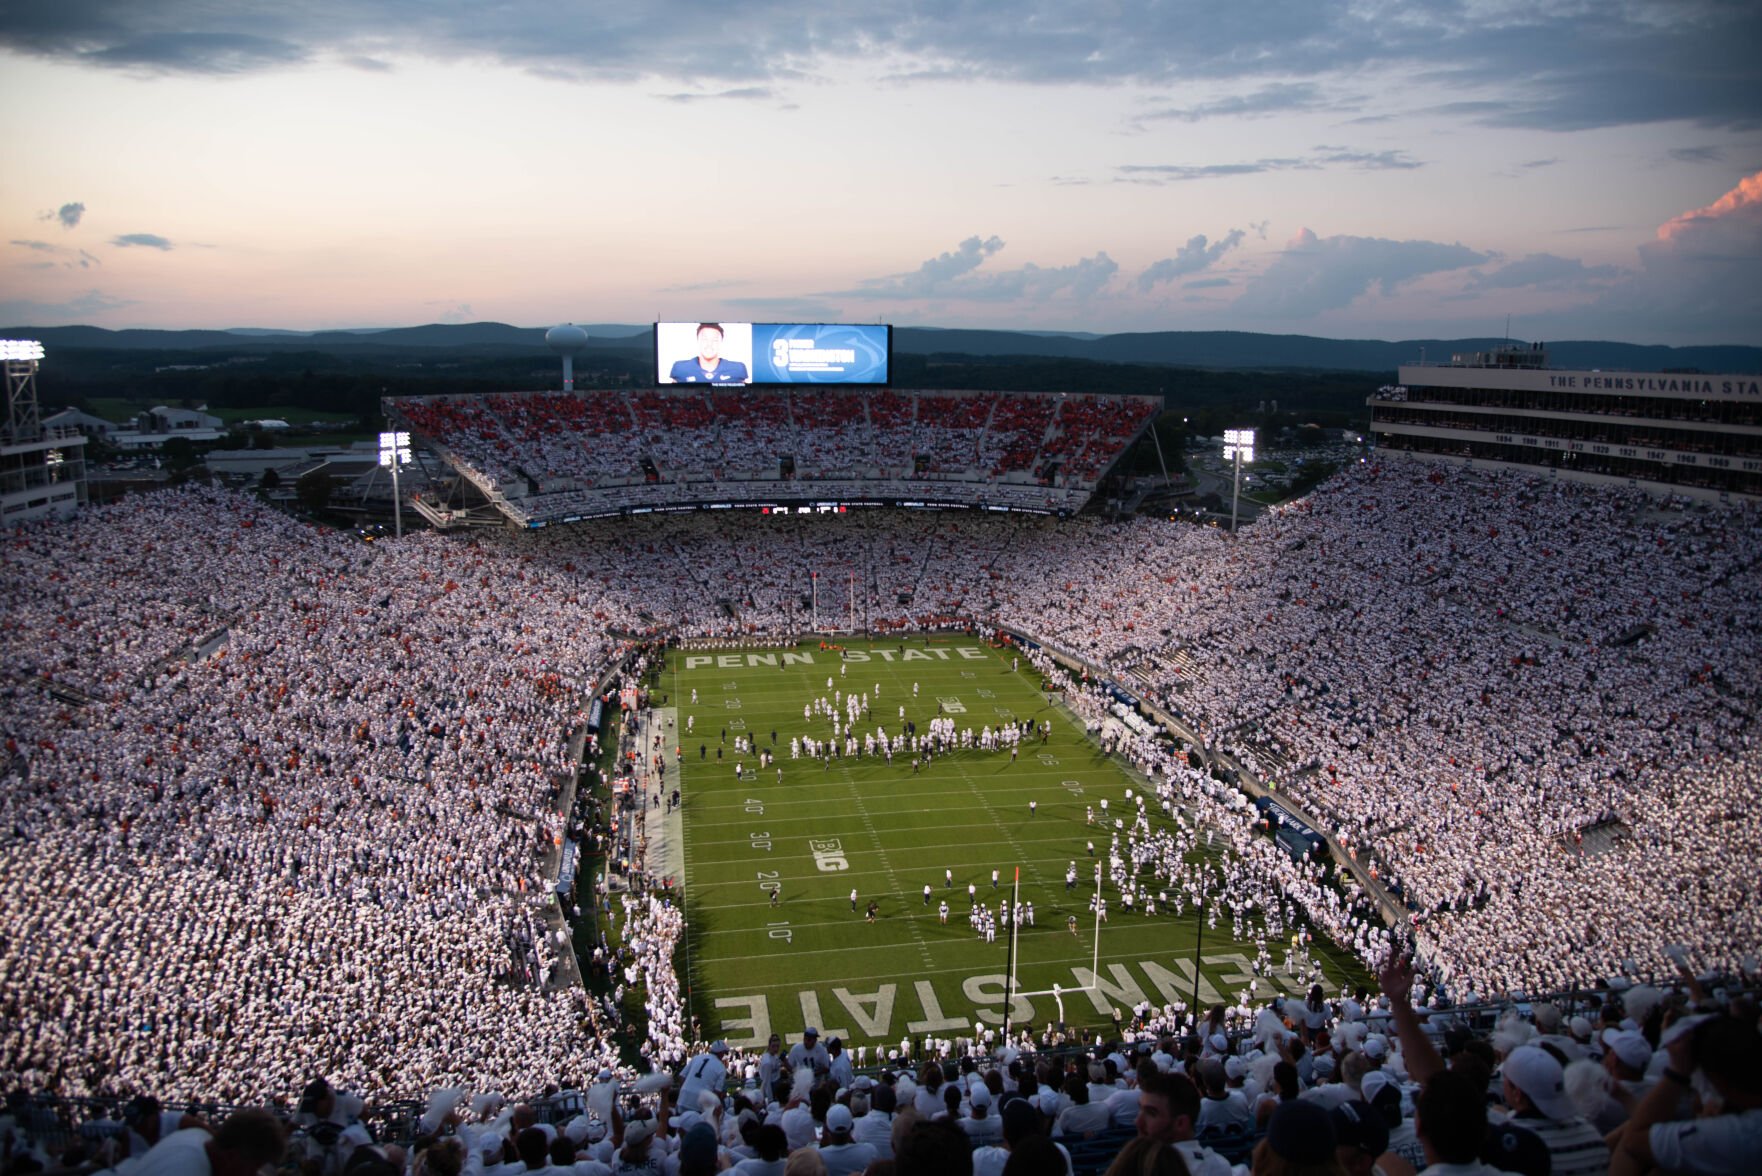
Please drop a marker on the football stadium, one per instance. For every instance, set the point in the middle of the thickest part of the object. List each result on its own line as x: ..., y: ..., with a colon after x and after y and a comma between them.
x: 804, y: 757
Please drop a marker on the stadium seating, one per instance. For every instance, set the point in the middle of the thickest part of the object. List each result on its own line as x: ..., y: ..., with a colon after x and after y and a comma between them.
x: 283, y: 753
x: 552, y: 456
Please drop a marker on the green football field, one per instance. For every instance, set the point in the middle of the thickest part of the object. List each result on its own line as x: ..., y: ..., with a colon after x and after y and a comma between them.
x: 885, y: 831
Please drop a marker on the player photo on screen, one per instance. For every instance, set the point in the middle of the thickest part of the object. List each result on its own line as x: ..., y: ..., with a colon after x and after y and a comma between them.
x: 703, y: 353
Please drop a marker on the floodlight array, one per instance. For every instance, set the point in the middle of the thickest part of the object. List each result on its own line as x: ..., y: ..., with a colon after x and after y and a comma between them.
x: 20, y: 350
x: 394, y: 448
x: 1239, y: 443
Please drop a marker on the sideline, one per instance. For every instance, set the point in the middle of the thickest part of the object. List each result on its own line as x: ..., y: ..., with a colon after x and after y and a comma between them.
x: 1393, y: 912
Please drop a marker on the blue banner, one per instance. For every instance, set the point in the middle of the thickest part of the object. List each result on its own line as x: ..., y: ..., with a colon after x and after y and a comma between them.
x: 819, y: 353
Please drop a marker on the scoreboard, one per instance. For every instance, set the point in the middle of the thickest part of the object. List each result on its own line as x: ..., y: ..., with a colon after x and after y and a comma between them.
x: 719, y: 353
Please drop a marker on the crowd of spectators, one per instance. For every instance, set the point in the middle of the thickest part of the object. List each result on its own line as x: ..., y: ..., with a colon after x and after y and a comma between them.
x: 263, y: 782
x: 532, y: 445
x: 1462, y: 673
x: 1646, y: 1078
x: 324, y: 836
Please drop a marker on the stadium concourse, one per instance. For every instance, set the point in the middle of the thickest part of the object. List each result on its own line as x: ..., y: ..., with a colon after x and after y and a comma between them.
x: 277, y: 804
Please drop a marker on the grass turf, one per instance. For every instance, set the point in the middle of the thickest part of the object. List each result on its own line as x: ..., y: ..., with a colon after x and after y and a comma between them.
x: 886, y: 832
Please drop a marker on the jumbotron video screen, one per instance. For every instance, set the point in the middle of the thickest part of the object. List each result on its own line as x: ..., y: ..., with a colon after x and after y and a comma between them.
x: 772, y: 353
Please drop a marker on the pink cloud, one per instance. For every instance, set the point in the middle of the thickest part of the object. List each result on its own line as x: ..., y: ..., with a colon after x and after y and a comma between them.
x: 1697, y: 278
x: 1743, y: 201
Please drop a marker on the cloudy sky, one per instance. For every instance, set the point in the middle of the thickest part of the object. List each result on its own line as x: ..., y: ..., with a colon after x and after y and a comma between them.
x: 1369, y: 168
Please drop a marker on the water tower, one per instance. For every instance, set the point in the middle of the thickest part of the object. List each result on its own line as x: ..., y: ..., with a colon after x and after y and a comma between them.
x: 568, y: 341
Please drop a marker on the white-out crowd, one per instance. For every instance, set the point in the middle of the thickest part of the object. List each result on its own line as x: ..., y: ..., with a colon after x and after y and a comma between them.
x: 322, y: 833
x: 550, y: 443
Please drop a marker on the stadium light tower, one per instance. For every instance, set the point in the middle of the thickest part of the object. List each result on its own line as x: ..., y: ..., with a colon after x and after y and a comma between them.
x: 568, y: 341
x: 394, y: 451
x: 1238, y: 444
x: 20, y: 357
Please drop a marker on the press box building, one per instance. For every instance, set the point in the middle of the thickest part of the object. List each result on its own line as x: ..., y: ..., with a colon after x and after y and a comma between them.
x: 1687, y: 433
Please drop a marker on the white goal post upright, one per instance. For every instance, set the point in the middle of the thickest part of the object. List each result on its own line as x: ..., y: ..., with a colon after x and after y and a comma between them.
x: 1056, y: 992
x: 834, y: 624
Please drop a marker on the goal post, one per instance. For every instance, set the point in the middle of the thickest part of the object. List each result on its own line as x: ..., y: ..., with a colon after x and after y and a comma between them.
x: 833, y: 601
x: 1057, y: 992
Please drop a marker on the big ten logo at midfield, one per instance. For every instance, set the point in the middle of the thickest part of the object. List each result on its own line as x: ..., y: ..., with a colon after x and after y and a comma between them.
x: 829, y: 855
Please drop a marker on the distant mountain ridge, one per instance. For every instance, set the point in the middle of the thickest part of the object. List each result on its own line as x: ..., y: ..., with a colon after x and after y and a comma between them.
x: 1248, y: 349
x: 1234, y: 350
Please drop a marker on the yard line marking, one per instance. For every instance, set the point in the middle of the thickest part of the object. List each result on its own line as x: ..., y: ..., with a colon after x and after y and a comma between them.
x: 1022, y: 858
x: 886, y: 863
